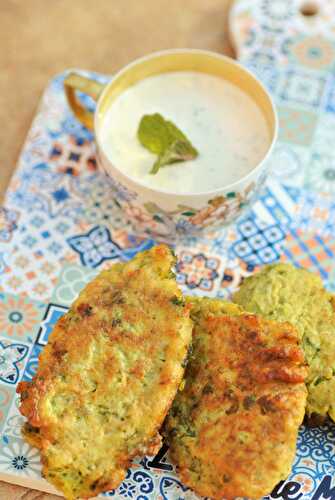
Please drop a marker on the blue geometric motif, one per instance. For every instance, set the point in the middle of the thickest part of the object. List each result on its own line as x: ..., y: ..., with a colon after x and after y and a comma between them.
x: 95, y: 247
x: 303, y: 87
x: 51, y: 316
x: 60, y: 195
x: 136, y: 485
x: 277, y: 203
x: 170, y: 487
x: 10, y: 357
x: 259, y: 243
x: 130, y: 252
x: 317, y: 443
x: 32, y: 363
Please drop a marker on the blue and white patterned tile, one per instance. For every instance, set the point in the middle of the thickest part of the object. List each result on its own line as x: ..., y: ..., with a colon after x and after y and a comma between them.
x: 32, y: 363
x: 276, y: 205
x: 19, y: 459
x: 171, y: 487
x: 71, y: 281
x: 53, y: 313
x: 288, y: 164
x: 100, y: 244
x: 267, y: 73
x: 100, y: 207
x: 14, y: 420
x: 320, y: 173
x: 51, y: 192
x: 95, y: 247
x: 302, y: 87
x: 258, y: 242
x: 276, y: 11
x: 138, y: 484
x: 13, y: 357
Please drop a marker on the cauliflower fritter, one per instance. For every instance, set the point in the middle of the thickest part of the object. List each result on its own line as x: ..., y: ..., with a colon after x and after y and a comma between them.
x: 232, y: 430
x: 284, y: 293
x: 108, y: 375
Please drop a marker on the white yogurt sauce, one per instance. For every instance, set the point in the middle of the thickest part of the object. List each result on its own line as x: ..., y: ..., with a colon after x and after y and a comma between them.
x: 224, y: 124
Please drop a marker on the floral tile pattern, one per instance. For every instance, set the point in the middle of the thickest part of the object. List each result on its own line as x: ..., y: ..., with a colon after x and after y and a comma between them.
x: 320, y: 173
x: 74, y: 156
x: 313, y: 52
x: 61, y: 224
x: 17, y: 457
x: 197, y: 271
x: 20, y: 317
x: 95, y: 247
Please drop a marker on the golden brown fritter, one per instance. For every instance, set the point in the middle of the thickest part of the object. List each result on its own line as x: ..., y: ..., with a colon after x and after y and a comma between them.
x: 283, y: 292
x: 232, y: 430
x: 108, y: 375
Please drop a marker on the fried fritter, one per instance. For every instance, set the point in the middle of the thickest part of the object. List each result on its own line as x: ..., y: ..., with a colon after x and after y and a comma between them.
x: 285, y: 293
x: 108, y: 375
x: 232, y: 430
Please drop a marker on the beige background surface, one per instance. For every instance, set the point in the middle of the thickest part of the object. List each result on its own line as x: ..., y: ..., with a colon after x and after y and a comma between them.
x: 40, y: 38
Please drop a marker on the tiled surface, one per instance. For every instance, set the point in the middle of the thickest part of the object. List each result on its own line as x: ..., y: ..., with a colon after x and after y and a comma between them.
x: 59, y: 226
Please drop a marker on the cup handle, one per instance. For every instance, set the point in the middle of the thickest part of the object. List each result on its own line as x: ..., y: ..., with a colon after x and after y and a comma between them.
x: 73, y: 82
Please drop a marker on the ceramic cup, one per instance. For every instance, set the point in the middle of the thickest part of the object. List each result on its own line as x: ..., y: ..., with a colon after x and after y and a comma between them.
x: 156, y: 212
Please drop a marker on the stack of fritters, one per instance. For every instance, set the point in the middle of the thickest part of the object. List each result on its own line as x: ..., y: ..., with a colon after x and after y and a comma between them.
x: 284, y: 293
x: 113, y: 365
x: 232, y: 430
x: 108, y: 375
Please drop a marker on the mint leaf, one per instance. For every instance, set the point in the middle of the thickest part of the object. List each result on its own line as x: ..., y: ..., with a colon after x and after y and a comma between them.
x: 163, y: 138
x: 176, y: 152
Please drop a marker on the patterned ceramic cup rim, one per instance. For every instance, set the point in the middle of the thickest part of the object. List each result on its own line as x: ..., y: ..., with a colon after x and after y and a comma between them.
x: 133, y: 72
